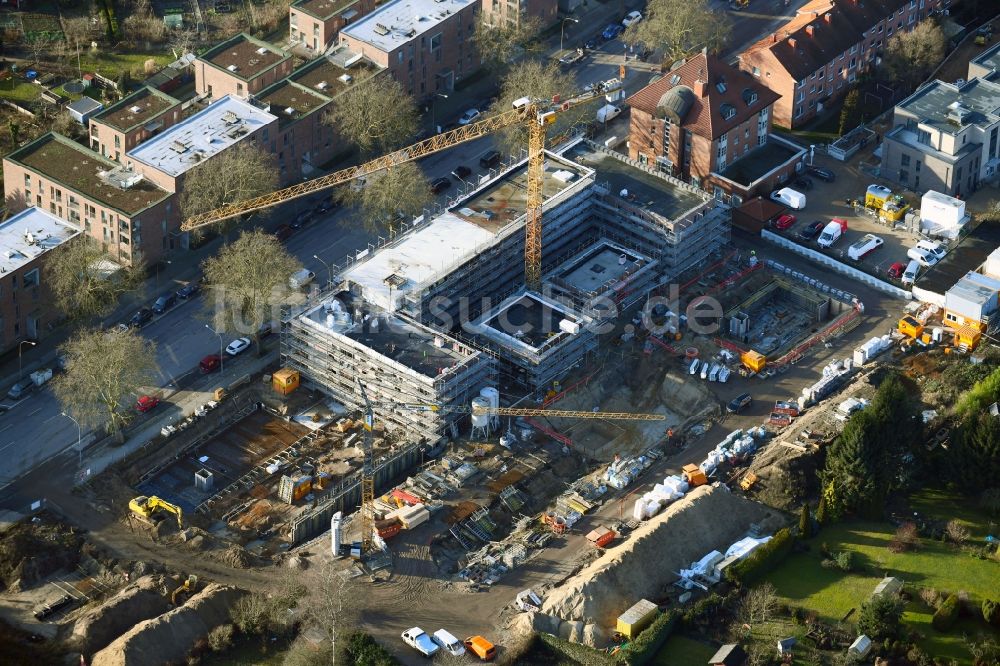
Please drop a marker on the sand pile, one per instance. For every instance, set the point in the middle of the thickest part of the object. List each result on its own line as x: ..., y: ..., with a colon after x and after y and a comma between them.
x: 643, y: 566
x: 143, y: 599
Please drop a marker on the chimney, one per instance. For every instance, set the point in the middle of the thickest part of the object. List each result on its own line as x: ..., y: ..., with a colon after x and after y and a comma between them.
x: 828, y: 17
x: 774, y: 37
x: 810, y: 30
x: 791, y: 42
x: 699, y: 88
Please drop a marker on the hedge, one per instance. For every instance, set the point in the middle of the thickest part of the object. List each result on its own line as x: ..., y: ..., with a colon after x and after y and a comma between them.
x: 946, y: 614
x: 363, y: 650
x: 991, y: 612
x: 649, y: 641
x: 762, y: 560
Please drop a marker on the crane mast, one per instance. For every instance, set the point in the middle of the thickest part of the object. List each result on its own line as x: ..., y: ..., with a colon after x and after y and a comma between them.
x: 367, y: 478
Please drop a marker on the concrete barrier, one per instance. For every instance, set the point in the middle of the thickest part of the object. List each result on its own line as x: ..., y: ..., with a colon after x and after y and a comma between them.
x: 838, y: 266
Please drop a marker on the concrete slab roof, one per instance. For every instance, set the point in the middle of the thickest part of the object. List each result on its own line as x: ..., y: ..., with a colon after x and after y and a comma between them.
x: 140, y: 107
x: 322, y: 9
x: 761, y: 161
x: 333, y: 75
x: 290, y: 102
x: 967, y: 256
x: 202, y: 136
x: 85, y: 105
x: 244, y: 56
x: 71, y: 165
x: 602, y: 264
x: 396, y: 23
x: 989, y: 60
x: 30, y: 234
x: 932, y: 103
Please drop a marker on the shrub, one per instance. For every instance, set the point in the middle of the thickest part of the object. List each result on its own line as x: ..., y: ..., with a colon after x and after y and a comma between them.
x: 991, y: 612
x: 956, y: 531
x: 880, y: 616
x: 804, y: 524
x: 221, y: 638
x: 762, y: 560
x: 642, y: 649
x: 946, y: 615
x: 845, y: 560
x: 931, y: 597
x: 363, y: 650
x: 906, y: 538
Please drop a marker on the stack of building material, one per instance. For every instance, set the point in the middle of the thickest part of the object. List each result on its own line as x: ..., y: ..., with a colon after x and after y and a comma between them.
x: 411, y: 516
x: 463, y: 473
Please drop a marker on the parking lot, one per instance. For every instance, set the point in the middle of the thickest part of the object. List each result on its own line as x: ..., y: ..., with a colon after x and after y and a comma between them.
x: 826, y: 201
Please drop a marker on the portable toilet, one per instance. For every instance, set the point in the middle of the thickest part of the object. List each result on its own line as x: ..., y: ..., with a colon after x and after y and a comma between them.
x: 285, y: 381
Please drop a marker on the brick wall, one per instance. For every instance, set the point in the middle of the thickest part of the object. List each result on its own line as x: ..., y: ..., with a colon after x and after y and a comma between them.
x: 220, y: 82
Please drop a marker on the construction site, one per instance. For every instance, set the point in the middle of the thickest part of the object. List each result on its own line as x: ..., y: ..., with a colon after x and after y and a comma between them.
x: 444, y: 420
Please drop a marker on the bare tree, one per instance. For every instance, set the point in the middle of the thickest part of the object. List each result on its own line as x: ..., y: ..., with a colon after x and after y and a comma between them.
x: 249, y: 279
x: 182, y: 41
x: 679, y: 27
x: 541, y: 81
x: 331, y: 605
x: 80, y: 287
x: 911, y: 56
x: 64, y: 124
x: 498, y: 46
x: 376, y: 117
x: 957, y: 532
x: 393, y: 195
x: 105, y: 370
x: 758, y: 604
x: 240, y: 173
x: 80, y: 31
x: 14, y: 203
x: 143, y: 24
x: 37, y: 45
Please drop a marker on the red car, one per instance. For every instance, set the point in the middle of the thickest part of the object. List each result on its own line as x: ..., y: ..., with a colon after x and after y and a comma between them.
x: 896, y: 270
x: 784, y: 222
x: 283, y: 232
x: 146, y: 403
x: 210, y: 363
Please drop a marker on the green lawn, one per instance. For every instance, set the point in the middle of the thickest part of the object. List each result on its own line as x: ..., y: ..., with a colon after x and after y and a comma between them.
x: 803, y: 582
x: 942, y: 505
x: 18, y: 90
x: 113, y: 64
x: 682, y: 651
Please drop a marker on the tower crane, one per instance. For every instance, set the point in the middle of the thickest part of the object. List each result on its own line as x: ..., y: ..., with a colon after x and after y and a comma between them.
x: 537, y: 114
x: 518, y: 411
x: 367, y: 478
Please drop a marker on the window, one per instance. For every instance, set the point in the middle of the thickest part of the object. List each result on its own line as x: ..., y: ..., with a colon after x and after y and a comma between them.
x: 755, y: 71
x: 399, y: 56
x: 800, y: 83
x: 854, y: 49
x: 853, y: 63
x: 436, y: 42
x: 30, y: 279
x: 904, y: 160
x: 798, y: 111
x: 904, y: 176
x: 812, y: 89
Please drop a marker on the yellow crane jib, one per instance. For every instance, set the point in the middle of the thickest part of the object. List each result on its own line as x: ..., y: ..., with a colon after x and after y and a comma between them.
x: 518, y: 411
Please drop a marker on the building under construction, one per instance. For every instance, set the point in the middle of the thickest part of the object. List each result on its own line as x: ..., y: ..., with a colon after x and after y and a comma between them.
x: 429, y: 316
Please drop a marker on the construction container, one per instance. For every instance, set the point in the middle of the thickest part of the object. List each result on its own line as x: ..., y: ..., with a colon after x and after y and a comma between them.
x: 695, y: 477
x: 388, y: 528
x: 601, y: 536
x: 779, y: 420
x: 755, y: 361
x: 968, y: 337
x: 285, y: 381
x: 782, y: 407
x: 405, y: 497
x: 302, y: 487
x: 636, y: 618
x: 910, y: 327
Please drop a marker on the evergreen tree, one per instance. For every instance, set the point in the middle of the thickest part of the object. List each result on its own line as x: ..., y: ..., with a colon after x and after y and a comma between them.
x: 975, y: 453
x: 821, y: 509
x: 804, y: 526
x: 852, y: 466
x: 879, y: 618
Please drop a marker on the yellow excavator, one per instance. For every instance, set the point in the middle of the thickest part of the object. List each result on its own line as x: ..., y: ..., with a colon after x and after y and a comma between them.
x: 187, y: 587
x: 148, y: 508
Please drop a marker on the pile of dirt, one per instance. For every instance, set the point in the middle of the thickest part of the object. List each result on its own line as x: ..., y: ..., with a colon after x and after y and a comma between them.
x: 257, y: 517
x: 31, y: 551
x: 237, y: 557
x: 786, y: 475
x: 97, y: 627
x: 171, y: 636
x: 709, y: 518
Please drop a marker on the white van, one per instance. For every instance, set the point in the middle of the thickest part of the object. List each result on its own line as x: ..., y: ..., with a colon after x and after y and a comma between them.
x: 607, y: 113
x: 935, y: 248
x: 864, y: 245
x: 301, y: 278
x: 831, y: 234
x: 449, y: 643
x: 910, y: 274
x: 790, y: 198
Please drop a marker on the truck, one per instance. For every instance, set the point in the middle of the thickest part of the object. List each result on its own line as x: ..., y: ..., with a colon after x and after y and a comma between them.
x: 864, y: 245
x: 300, y: 279
x: 832, y: 232
x: 570, y: 58
x: 607, y: 113
x: 39, y: 377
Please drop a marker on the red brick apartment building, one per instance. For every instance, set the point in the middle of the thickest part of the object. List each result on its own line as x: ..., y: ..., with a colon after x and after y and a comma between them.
x: 132, y: 217
x: 240, y: 66
x: 26, y: 310
x: 425, y: 44
x: 812, y: 60
x: 498, y: 12
x: 139, y: 116
x: 315, y: 24
x: 708, y: 123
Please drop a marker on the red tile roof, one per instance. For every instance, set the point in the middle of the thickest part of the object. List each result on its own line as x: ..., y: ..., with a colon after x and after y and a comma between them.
x: 724, y: 87
x: 821, y: 31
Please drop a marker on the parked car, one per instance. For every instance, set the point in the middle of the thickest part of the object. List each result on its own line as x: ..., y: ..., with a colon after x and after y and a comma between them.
x: 283, y: 232
x: 803, y: 183
x: 896, y: 270
x: 630, y: 18
x: 447, y: 642
x: 739, y: 403
x: 811, y: 230
x: 302, y: 219
x: 594, y: 42
x: 326, y: 205
x: 936, y: 248
x: 142, y: 317
x: 490, y: 159
x: 910, y: 272
x: 210, y: 363
x: 864, y: 246
x: 145, y: 403
x: 922, y: 256
x: 164, y: 303
x: 238, y: 346
x: 439, y: 185
x: 789, y: 197
x: 832, y: 232
x: 612, y: 31
x: 418, y: 639
x: 188, y: 291
x: 21, y: 389
x: 784, y: 222
x: 469, y: 116
x: 53, y: 607
x: 461, y: 172
x: 822, y: 174
x: 481, y: 647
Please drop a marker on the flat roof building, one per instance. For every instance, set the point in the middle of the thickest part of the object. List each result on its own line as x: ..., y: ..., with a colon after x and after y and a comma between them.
x: 315, y: 24
x: 425, y: 44
x: 125, y: 124
x: 168, y: 156
x: 240, y: 66
x: 25, y: 240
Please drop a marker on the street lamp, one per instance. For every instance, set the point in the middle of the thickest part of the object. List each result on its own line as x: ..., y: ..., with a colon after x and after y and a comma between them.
x: 20, y: 346
x: 222, y: 352
x: 434, y: 109
x: 79, y: 436
x: 562, y: 30
x: 329, y: 272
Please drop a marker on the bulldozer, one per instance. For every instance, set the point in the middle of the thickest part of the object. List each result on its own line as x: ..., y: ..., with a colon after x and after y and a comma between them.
x: 748, y: 481
x: 148, y: 509
x: 186, y: 588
